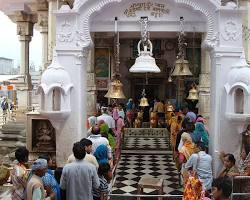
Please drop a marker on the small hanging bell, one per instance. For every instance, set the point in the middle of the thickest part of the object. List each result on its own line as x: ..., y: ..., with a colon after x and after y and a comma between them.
x: 193, y: 94
x: 115, y: 90
x: 170, y: 79
x: 144, y: 102
x: 181, y: 68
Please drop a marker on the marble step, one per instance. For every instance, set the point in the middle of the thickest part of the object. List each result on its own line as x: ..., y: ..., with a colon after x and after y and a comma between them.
x: 12, y: 137
x: 11, y: 144
x: 13, y: 128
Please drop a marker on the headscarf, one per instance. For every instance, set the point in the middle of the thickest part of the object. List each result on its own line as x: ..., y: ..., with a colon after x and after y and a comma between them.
x: 188, y: 147
x: 104, y: 128
x: 39, y: 164
x: 121, y: 114
x: 129, y: 105
x: 243, y: 164
x: 191, y: 116
x: 200, y: 134
x: 92, y: 121
x: 101, y: 154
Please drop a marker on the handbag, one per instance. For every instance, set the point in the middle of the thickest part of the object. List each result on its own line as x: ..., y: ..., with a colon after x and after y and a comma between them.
x: 4, y: 174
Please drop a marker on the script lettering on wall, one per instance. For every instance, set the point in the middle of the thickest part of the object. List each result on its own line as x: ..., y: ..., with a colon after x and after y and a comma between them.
x: 155, y: 9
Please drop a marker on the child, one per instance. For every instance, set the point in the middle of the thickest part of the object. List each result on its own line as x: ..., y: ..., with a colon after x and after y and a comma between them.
x: 102, y: 191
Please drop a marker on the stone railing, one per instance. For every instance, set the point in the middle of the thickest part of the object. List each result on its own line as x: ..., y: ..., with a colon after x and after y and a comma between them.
x: 146, y: 132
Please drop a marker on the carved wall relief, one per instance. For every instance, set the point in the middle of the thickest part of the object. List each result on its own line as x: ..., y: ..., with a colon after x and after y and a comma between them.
x: 43, y: 136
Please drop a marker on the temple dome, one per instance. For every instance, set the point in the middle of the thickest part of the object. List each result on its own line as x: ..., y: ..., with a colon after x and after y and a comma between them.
x: 240, y: 73
x: 55, y: 76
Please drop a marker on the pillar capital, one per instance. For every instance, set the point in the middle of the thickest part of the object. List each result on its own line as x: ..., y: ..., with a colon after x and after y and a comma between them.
x: 42, y: 22
x: 25, y: 22
x: 42, y: 5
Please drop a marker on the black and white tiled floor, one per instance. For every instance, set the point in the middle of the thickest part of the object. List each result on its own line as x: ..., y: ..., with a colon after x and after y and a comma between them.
x: 146, y: 156
x: 147, y: 143
x: 132, y: 167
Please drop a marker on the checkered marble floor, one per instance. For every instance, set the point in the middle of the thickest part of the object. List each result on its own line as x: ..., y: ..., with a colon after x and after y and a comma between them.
x: 146, y: 143
x: 132, y: 167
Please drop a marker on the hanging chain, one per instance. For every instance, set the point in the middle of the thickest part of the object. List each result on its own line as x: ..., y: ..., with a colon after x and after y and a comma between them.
x: 181, y: 40
x: 143, y: 94
x: 144, y: 30
x: 117, y: 51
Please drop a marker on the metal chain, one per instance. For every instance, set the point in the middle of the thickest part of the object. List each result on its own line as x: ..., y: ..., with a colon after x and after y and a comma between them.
x: 144, y: 30
x: 181, y: 40
x: 117, y: 53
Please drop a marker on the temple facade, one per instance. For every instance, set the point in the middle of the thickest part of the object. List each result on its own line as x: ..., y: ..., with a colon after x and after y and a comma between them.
x: 78, y: 61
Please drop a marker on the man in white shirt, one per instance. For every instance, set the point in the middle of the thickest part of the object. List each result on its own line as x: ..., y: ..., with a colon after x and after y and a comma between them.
x: 106, y: 118
x: 87, y: 144
x: 201, y: 162
x: 98, y: 140
x: 79, y: 178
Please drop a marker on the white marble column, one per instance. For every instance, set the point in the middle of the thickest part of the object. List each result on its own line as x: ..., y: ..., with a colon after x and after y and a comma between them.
x: 204, y: 84
x: 51, y: 28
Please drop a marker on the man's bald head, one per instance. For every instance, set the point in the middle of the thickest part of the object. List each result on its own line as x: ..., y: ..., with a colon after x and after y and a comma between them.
x: 96, y: 130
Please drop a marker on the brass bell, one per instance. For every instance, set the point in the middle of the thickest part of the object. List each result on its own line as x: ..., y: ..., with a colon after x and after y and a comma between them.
x: 115, y: 90
x: 193, y: 94
x: 181, y: 68
x: 144, y: 102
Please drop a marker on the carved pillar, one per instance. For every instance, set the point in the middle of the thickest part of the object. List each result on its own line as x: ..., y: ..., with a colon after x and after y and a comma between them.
x: 91, y: 84
x: 42, y: 10
x: 204, y: 84
x: 24, y: 47
x: 25, y: 23
x: 246, y: 30
x: 51, y: 28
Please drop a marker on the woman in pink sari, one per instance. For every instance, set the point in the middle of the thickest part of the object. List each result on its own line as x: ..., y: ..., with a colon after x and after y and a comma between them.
x: 118, y: 133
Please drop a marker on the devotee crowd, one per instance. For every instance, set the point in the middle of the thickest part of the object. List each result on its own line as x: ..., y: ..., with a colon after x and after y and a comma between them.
x: 189, y: 138
x: 90, y: 168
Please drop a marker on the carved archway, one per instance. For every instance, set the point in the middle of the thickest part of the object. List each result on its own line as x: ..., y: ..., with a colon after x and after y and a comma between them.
x: 88, y: 8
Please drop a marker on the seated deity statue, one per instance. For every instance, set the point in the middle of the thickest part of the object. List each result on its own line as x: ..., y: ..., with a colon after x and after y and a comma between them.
x: 45, y: 136
x: 246, y: 137
x: 153, y: 120
x: 138, y: 120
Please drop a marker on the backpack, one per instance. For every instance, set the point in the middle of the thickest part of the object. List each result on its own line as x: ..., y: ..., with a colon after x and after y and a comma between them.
x: 4, y: 105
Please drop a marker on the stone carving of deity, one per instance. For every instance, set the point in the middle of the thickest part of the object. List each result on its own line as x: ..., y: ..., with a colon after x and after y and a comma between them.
x: 45, y: 136
x: 246, y: 137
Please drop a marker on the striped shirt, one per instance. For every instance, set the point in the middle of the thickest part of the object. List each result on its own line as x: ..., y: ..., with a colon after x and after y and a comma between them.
x: 103, y: 188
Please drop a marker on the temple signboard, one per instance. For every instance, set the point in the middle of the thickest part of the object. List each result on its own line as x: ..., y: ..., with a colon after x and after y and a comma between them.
x: 155, y: 9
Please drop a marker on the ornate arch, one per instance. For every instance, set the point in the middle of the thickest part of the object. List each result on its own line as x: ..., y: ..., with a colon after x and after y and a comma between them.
x: 84, y: 33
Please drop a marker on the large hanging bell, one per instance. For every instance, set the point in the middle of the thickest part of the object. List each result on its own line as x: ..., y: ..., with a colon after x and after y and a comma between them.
x: 181, y: 68
x: 144, y: 102
x: 193, y: 94
x: 145, y: 62
x: 115, y: 90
